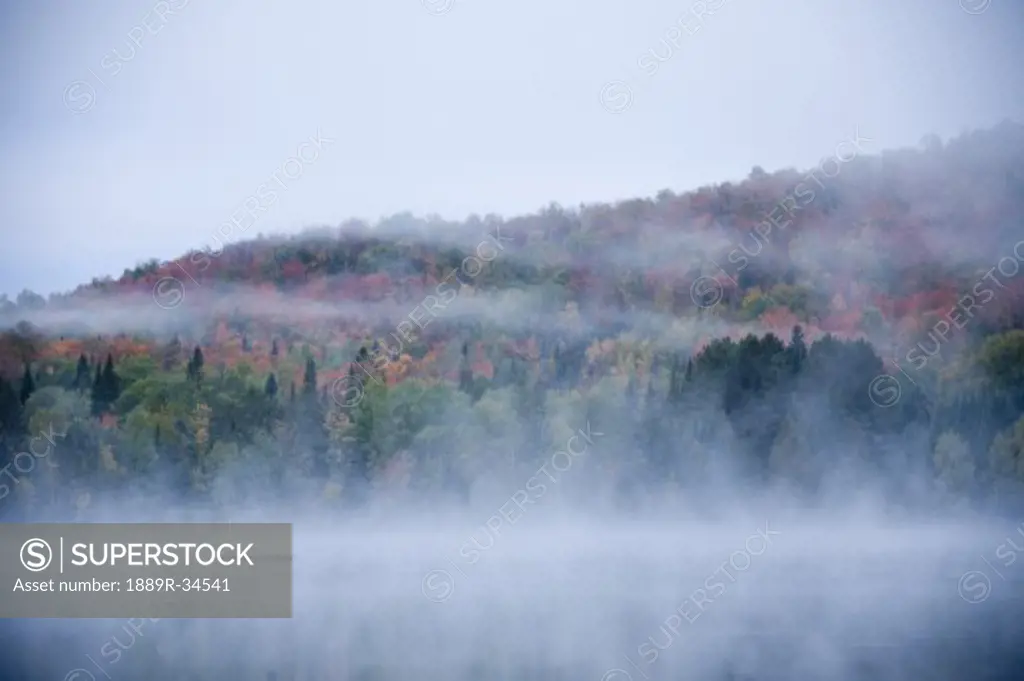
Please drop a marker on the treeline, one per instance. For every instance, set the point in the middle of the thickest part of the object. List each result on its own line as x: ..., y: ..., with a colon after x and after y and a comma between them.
x: 759, y: 410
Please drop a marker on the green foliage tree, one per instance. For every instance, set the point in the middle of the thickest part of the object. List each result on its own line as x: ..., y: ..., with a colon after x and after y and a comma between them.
x: 1002, y: 359
x: 1006, y: 455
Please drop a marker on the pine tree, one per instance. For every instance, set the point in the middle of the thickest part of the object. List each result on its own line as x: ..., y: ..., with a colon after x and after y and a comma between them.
x: 309, y: 379
x: 111, y: 382
x: 309, y: 418
x: 270, y: 389
x: 106, y: 387
x: 28, y: 385
x: 195, y: 366
x: 82, y: 374
x: 675, y: 387
x: 10, y: 418
x: 466, y: 372
x: 797, y: 350
x: 96, y: 394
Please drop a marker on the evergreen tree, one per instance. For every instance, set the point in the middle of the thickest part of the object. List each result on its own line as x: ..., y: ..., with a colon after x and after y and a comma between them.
x: 363, y: 360
x: 309, y: 379
x: 28, y: 385
x: 311, y: 434
x: 10, y: 420
x: 96, y: 394
x: 271, y: 386
x: 195, y: 366
x: 465, y: 372
x: 797, y: 350
x: 676, y: 379
x: 82, y: 374
x: 111, y: 382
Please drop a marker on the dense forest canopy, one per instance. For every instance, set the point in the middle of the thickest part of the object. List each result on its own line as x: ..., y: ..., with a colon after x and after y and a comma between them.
x: 857, y: 322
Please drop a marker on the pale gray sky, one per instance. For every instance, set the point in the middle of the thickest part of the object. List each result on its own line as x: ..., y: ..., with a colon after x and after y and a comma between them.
x: 490, y: 106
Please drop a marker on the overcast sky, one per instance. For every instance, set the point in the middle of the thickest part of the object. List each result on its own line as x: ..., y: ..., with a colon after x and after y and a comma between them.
x: 447, y: 107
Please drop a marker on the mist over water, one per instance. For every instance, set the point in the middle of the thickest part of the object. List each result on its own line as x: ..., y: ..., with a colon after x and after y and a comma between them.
x: 771, y: 593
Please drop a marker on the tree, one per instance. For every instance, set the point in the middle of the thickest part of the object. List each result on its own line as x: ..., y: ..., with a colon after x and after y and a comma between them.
x: 194, y: 370
x: 676, y: 380
x: 23, y: 342
x: 28, y: 385
x: 82, y: 374
x: 60, y: 418
x: 171, y: 354
x: 1002, y: 358
x: 309, y: 378
x: 106, y: 387
x: 270, y: 389
x: 11, y: 427
x: 310, y: 420
x: 465, y: 372
x: 1006, y: 455
x: 797, y: 351
x: 97, y: 392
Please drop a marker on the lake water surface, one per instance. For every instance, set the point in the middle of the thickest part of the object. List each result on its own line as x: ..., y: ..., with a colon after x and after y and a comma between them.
x: 592, y: 600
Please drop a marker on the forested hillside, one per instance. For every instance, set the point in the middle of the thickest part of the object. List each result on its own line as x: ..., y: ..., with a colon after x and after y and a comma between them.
x: 858, y: 323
